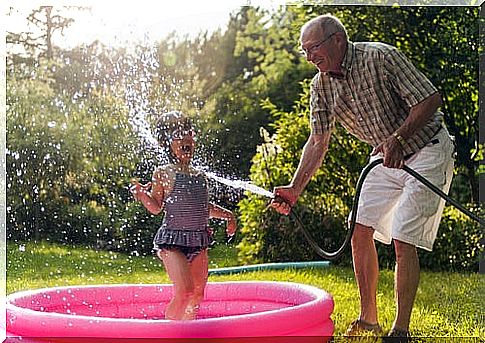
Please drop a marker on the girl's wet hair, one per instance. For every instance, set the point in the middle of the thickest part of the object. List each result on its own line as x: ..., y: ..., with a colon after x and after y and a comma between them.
x: 165, y: 125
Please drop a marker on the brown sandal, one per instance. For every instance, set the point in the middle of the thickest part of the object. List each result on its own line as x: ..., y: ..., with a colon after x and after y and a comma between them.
x: 397, y: 336
x: 359, y: 327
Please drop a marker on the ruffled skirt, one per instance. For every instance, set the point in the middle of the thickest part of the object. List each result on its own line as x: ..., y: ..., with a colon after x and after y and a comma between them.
x: 185, y: 238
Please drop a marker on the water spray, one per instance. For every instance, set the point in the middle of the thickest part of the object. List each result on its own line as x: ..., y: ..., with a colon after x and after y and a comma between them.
x: 246, y: 185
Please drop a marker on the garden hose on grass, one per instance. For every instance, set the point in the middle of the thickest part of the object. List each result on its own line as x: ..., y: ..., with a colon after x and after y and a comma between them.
x: 337, y: 253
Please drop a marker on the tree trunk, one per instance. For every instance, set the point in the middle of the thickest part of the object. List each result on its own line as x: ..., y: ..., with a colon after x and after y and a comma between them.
x: 49, y: 29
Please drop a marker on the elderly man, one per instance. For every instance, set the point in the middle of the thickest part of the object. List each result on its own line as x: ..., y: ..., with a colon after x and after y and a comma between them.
x: 377, y: 94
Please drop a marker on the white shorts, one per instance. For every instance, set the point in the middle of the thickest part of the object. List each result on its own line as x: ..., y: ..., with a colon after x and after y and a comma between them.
x: 398, y: 206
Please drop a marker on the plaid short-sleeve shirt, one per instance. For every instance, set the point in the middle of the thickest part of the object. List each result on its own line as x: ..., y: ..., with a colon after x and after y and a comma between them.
x: 373, y: 97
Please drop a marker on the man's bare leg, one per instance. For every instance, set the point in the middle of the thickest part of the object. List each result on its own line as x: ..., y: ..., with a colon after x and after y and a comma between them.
x: 366, y: 269
x: 406, y: 282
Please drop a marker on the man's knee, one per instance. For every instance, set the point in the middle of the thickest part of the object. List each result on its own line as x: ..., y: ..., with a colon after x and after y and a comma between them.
x: 404, y: 250
x: 362, y: 233
x: 362, y: 239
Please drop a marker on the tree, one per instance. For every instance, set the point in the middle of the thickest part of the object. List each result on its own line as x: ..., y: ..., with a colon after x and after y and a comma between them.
x: 37, y: 46
x: 266, y: 64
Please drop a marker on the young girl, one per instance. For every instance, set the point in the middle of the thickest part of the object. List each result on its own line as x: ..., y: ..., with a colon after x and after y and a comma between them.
x: 181, y: 191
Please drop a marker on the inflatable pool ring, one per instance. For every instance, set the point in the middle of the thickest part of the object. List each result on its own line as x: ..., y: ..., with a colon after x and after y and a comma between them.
x: 229, y: 309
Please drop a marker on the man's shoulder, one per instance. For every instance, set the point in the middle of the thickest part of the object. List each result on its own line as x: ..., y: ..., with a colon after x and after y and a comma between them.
x: 316, y: 79
x: 374, y: 48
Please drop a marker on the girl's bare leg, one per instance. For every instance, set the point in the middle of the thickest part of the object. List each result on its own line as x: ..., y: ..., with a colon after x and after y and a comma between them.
x: 199, y: 271
x: 178, y: 269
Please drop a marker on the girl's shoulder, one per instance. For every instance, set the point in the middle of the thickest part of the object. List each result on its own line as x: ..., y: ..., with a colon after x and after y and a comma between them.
x: 197, y: 172
x: 187, y: 171
x: 164, y: 172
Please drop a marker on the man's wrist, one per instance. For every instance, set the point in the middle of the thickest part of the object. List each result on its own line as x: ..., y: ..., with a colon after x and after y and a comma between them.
x: 295, y: 193
x: 399, y: 138
x: 295, y: 188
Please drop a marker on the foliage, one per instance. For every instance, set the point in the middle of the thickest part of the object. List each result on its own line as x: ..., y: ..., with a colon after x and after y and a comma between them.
x: 459, y: 245
x: 265, y: 64
x: 68, y: 163
x: 90, y: 68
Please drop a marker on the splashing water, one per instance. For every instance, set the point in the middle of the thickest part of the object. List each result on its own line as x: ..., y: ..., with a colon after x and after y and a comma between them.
x: 246, y: 185
x: 136, y: 96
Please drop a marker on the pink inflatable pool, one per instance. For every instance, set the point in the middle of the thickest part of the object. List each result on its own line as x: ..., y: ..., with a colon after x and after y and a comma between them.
x: 229, y: 309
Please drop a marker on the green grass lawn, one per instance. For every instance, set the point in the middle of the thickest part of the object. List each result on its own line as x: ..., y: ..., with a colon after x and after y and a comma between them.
x: 447, y: 304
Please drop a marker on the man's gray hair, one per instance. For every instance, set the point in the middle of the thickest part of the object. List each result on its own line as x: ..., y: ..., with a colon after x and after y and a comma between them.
x: 327, y: 23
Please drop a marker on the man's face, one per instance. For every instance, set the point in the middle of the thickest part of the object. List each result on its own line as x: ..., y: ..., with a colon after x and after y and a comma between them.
x: 320, y: 49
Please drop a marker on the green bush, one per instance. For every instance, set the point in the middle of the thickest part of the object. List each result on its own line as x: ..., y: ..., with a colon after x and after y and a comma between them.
x: 270, y: 237
x: 459, y: 244
x: 136, y: 229
x: 68, y: 163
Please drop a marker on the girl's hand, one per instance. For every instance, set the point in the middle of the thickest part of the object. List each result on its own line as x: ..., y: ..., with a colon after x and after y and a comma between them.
x: 231, y: 225
x: 138, y: 189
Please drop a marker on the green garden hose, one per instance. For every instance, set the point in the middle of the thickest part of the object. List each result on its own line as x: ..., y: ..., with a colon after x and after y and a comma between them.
x: 268, y: 266
x: 337, y: 253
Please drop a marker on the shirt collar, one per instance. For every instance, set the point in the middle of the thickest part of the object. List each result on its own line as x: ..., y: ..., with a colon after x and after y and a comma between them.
x: 346, y: 64
x: 348, y: 59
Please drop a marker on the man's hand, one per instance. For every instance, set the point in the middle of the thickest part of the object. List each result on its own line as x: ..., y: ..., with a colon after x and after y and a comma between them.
x: 392, y: 150
x: 285, y: 198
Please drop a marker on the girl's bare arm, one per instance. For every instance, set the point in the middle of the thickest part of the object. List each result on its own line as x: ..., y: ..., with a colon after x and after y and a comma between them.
x: 216, y: 211
x: 152, y: 194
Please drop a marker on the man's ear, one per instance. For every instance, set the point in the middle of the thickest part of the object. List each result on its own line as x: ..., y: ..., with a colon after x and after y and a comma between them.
x: 341, y: 37
x: 341, y: 40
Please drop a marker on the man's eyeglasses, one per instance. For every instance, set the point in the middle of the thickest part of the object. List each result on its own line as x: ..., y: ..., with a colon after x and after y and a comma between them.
x: 317, y: 46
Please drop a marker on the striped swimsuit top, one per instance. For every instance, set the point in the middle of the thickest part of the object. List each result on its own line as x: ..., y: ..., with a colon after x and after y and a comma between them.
x: 187, y: 206
x: 186, y: 213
